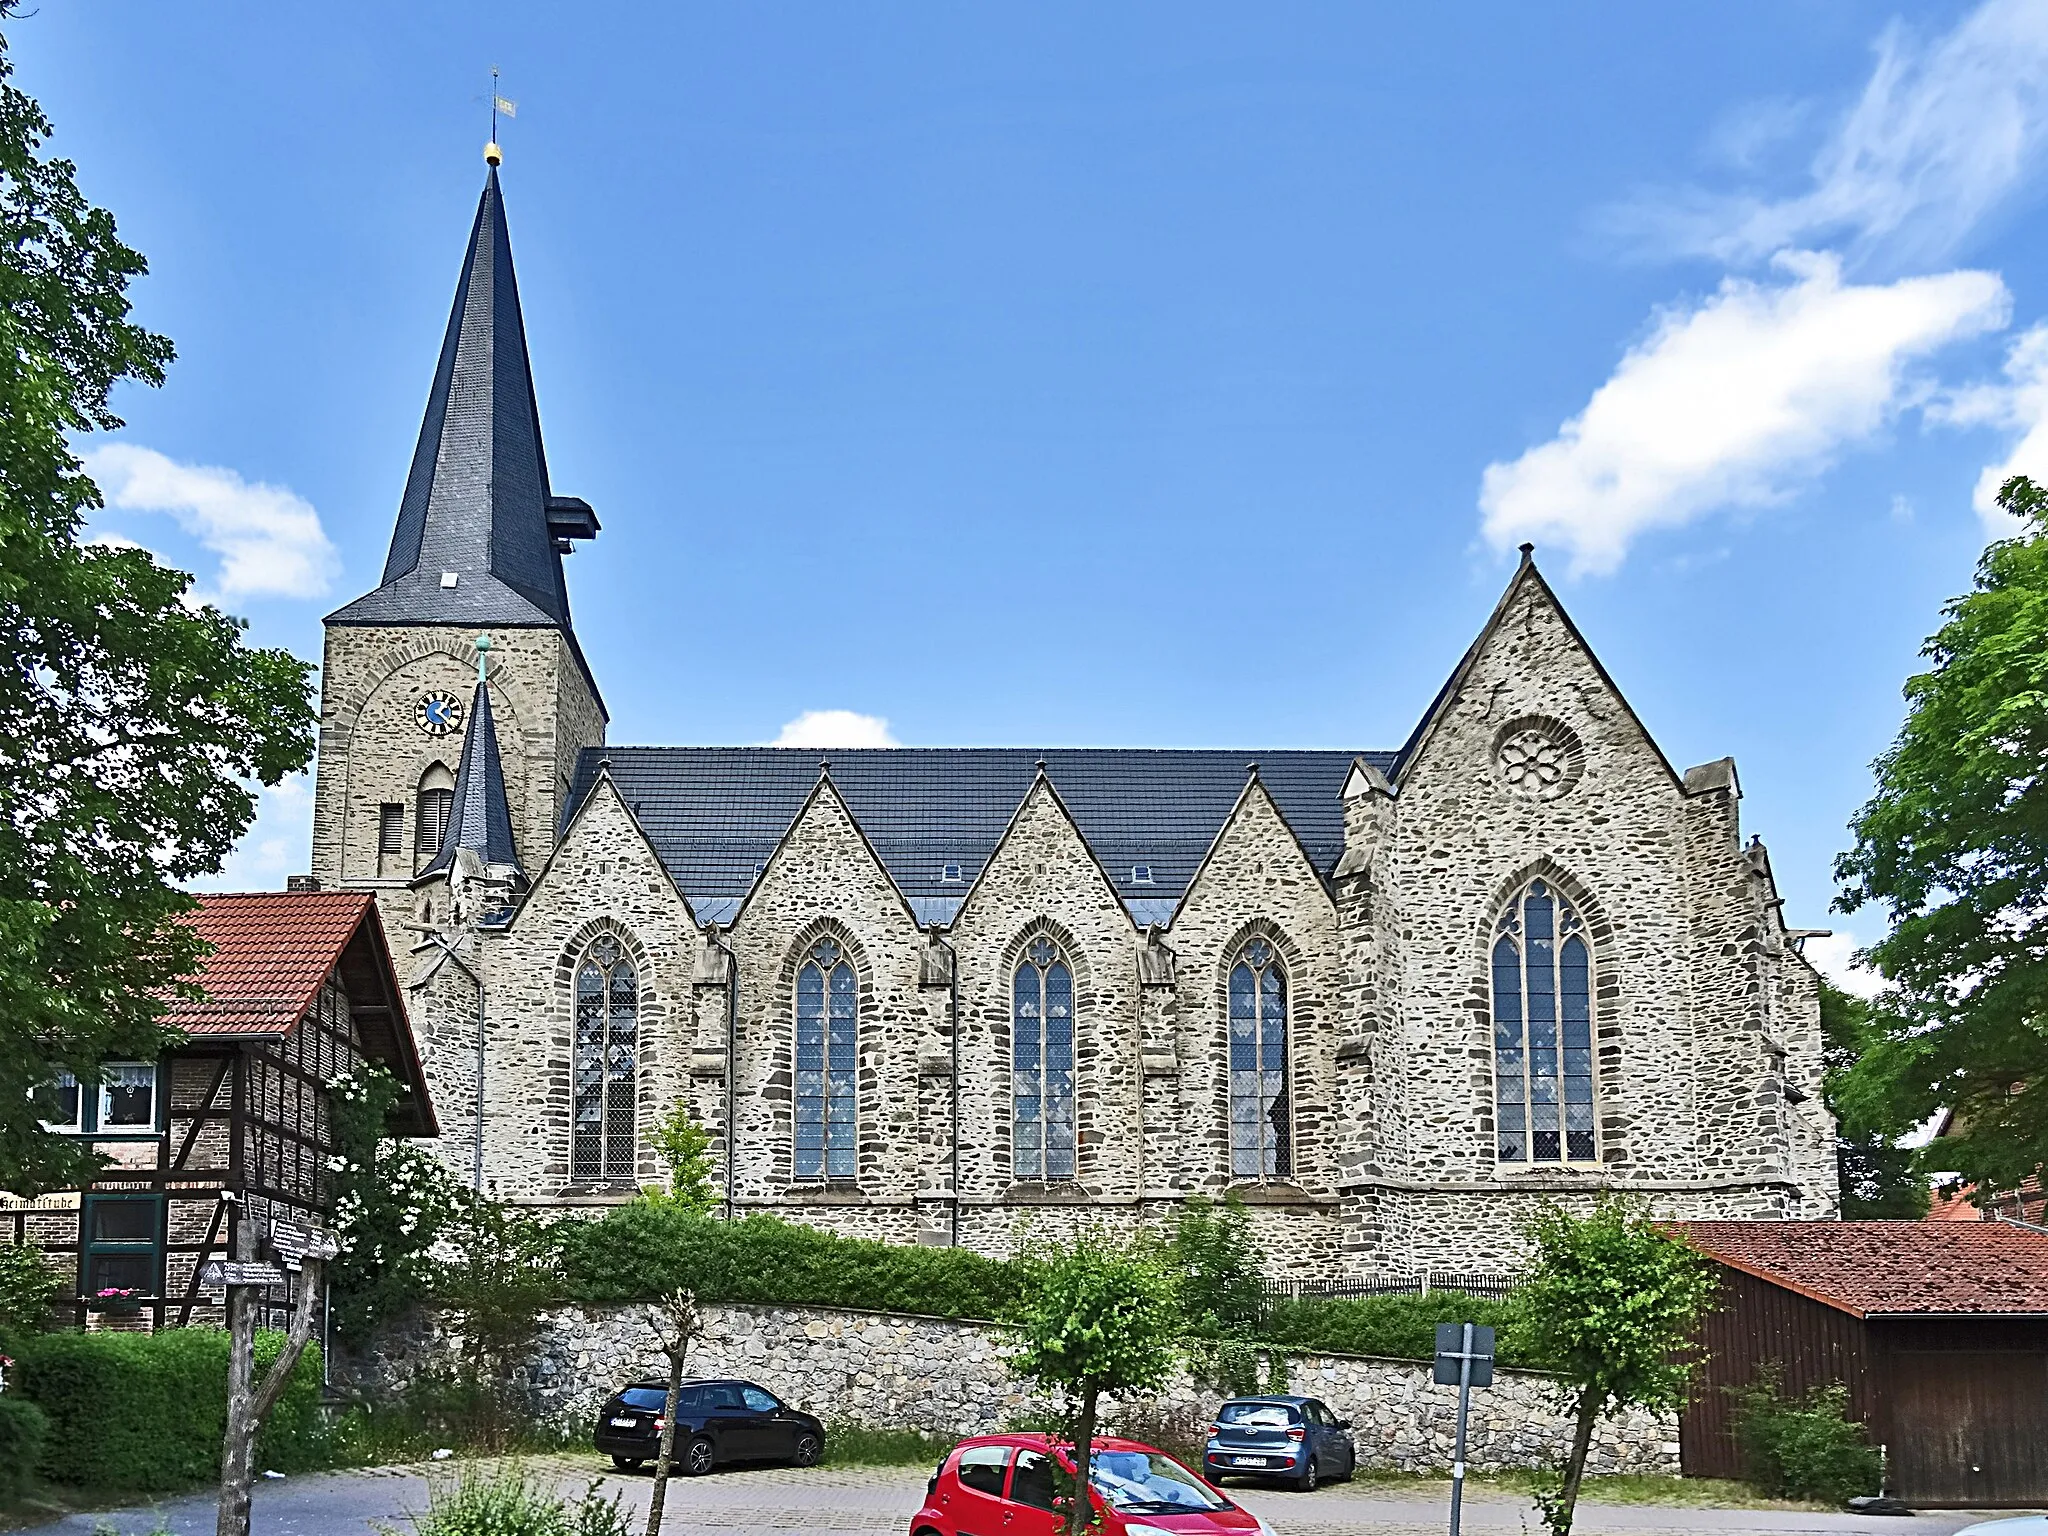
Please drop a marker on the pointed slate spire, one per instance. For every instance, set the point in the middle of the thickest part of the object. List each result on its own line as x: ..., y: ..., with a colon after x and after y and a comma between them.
x: 481, y: 817
x: 473, y: 544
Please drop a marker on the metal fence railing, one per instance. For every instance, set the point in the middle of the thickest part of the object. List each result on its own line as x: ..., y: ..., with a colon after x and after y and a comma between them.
x: 1495, y: 1287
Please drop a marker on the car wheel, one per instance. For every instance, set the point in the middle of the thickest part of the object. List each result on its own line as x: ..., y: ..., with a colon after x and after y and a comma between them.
x: 1311, y: 1475
x: 628, y: 1463
x: 808, y: 1449
x: 699, y: 1456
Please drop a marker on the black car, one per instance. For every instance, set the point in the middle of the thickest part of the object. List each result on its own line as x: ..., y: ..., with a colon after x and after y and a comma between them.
x: 716, y: 1421
x: 1296, y: 1438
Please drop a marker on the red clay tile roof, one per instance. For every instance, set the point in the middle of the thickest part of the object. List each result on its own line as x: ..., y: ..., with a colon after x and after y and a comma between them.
x: 271, y: 951
x: 1875, y: 1267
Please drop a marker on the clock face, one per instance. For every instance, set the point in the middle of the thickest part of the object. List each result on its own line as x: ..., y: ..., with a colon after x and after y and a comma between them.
x: 438, y: 714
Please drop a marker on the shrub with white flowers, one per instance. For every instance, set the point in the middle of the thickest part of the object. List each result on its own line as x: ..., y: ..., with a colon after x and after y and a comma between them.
x: 393, y: 1202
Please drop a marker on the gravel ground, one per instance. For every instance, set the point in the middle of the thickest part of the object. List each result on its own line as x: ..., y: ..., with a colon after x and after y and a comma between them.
x: 827, y: 1501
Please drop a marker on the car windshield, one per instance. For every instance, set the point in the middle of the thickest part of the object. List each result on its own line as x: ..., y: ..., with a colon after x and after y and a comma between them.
x: 1147, y: 1480
x: 1256, y: 1415
x: 644, y: 1397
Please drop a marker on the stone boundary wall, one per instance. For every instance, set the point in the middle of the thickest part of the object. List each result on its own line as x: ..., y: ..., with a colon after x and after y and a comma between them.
x: 949, y: 1377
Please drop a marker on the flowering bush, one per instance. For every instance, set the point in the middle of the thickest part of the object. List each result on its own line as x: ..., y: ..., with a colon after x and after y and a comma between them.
x: 393, y: 1204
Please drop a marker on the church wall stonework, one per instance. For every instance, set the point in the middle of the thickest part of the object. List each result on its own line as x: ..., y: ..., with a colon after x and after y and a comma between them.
x: 1706, y: 1018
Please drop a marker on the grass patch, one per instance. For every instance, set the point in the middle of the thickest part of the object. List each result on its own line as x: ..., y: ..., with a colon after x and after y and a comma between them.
x: 861, y: 1445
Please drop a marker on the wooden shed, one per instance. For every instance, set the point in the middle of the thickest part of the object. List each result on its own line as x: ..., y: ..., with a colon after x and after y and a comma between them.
x: 1938, y: 1329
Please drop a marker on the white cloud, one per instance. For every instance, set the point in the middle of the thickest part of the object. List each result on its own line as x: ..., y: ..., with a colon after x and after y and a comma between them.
x: 277, y: 844
x: 835, y: 728
x: 1733, y: 402
x: 2019, y: 404
x: 1835, y: 958
x: 269, y: 540
x: 1944, y: 131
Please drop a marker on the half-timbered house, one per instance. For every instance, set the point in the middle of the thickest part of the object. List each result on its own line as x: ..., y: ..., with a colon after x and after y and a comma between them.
x: 298, y: 989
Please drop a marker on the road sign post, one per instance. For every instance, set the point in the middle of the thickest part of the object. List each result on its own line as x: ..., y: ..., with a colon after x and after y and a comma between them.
x: 1464, y: 1359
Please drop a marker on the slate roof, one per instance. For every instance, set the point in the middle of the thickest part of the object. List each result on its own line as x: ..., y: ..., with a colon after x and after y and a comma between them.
x: 476, y: 500
x: 1888, y: 1268
x: 715, y: 814
x: 481, y: 817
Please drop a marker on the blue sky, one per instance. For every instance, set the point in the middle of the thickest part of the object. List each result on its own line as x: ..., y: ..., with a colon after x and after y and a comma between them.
x: 1170, y: 374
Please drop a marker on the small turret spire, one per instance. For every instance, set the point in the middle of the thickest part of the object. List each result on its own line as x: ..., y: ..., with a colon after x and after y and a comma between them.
x: 481, y: 817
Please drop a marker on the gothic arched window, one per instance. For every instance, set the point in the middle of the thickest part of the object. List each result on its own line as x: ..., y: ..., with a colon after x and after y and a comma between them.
x: 827, y: 1023
x: 1543, y: 1032
x: 602, y: 1143
x: 1261, y: 1139
x: 1042, y: 1065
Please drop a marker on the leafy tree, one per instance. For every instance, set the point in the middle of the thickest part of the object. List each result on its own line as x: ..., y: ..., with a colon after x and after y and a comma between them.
x: 1954, y: 847
x: 128, y: 721
x: 1610, y: 1305
x: 685, y: 1146
x: 1221, y: 1269
x: 28, y: 1285
x: 501, y: 1269
x: 1881, y: 1180
x: 1098, y: 1316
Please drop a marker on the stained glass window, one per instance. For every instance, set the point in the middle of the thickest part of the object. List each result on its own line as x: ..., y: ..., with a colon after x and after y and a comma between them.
x: 1261, y: 1132
x: 827, y: 1024
x: 1042, y: 1065
x: 602, y: 1141
x: 1543, y: 1032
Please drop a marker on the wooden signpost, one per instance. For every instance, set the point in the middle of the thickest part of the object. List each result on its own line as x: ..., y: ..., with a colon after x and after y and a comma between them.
x: 299, y: 1248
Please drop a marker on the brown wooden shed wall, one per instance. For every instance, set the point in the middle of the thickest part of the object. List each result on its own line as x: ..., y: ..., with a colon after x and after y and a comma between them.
x: 1756, y: 1324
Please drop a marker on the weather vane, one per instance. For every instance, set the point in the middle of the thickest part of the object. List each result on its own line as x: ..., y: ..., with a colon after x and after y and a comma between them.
x: 499, y: 105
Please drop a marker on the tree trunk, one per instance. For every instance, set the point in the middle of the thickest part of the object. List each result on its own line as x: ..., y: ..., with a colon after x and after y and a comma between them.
x: 1590, y: 1404
x: 674, y: 1334
x: 236, y: 1445
x: 247, y: 1411
x: 1082, y: 1515
x: 665, y: 1457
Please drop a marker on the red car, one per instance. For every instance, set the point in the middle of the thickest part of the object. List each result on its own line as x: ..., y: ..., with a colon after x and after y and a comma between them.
x: 1003, y: 1485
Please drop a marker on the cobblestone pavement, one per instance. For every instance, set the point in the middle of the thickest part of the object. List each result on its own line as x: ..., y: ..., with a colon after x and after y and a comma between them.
x: 832, y: 1501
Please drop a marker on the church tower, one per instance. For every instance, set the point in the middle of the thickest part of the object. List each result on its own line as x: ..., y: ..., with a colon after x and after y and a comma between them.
x: 410, y: 732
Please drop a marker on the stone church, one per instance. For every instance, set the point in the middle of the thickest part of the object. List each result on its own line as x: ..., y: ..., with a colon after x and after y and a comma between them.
x: 1390, y: 998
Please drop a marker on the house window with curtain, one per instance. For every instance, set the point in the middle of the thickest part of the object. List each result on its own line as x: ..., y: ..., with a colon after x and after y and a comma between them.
x: 1261, y: 1128
x: 1042, y: 1065
x: 827, y: 1030
x: 602, y: 1140
x: 1543, y: 1032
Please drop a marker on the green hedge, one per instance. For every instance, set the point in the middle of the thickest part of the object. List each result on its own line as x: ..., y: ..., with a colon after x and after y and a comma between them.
x: 1401, y: 1327
x: 23, y: 1428
x: 146, y: 1411
x: 647, y: 1249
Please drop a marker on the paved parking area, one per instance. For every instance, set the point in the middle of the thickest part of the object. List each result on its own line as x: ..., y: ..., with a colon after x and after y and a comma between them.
x: 829, y: 1501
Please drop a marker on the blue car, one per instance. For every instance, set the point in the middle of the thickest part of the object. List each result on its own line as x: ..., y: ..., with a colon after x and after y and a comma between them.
x: 1297, y: 1440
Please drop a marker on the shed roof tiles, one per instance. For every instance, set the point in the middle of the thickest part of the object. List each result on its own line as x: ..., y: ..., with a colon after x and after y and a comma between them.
x: 1880, y: 1268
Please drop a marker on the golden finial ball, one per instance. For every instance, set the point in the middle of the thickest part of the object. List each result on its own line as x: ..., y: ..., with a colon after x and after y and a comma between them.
x: 492, y: 154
